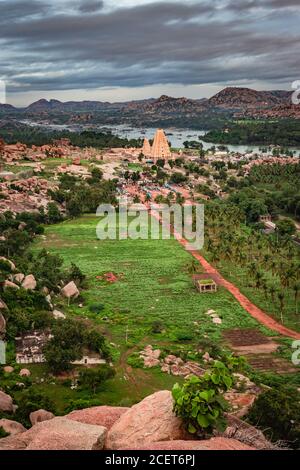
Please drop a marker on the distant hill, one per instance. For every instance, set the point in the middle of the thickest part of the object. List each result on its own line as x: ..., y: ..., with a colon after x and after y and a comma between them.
x: 246, y: 98
x: 164, y: 111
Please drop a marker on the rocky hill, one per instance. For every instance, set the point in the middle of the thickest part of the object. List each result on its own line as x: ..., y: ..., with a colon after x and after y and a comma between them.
x: 246, y: 98
x: 165, y: 110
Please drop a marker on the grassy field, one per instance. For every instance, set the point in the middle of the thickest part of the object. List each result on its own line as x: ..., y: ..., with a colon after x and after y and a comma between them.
x: 154, y: 285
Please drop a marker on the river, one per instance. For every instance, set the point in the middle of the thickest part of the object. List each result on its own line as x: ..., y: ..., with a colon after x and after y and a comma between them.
x: 175, y: 136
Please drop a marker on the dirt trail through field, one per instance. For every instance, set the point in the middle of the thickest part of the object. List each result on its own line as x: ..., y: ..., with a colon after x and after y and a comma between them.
x: 261, y: 316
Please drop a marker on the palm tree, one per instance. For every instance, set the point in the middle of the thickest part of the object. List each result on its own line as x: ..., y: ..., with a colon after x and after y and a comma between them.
x: 296, y: 289
x: 272, y: 292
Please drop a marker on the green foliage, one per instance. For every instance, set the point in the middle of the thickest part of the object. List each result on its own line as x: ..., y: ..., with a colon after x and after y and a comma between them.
x: 28, y: 401
x: 200, y: 402
x: 3, y: 433
x: 70, y: 337
x: 65, y: 346
x: 277, y: 413
x: 53, y: 213
x: 46, y: 268
x: 282, y: 132
x: 92, y: 379
x: 286, y: 227
x: 135, y: 361
x: 96, y: 308
x: 157, y: 327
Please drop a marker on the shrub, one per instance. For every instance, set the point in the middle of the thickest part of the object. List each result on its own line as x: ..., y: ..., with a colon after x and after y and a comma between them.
x: 157, y: 327
x: 96, y: 308
x: 184, y: 337
x: 135, y: 361
x: 92, y: 379
x: 277, y: 412
x: 200, y: 402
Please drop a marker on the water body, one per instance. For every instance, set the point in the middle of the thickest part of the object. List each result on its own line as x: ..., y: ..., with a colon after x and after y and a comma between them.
x: 175, y: 136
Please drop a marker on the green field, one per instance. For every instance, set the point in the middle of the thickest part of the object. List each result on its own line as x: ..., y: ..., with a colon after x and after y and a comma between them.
x: 154, y: 285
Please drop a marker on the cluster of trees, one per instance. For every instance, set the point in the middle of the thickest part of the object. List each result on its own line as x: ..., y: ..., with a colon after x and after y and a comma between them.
x: 81, y: 196
x: 284, y: 132
x: 69, y: 340
x: 40, y: 136
x: 271, y: 263
x: 281, y: 183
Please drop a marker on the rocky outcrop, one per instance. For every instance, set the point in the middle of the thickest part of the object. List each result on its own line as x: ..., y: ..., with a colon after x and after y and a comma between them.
x: 70, y: 290
x: 151, y: 420
x: 11, y: 427
x: 40, y: 416
x: 99, y: 415
x: 64, y: 434
x: 149, y: 425
x: 29, y: 282
x: 216, y: 443
x: 6, y: 403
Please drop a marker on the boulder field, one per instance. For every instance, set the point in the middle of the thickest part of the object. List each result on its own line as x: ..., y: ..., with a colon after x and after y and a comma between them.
x: 149, y: 425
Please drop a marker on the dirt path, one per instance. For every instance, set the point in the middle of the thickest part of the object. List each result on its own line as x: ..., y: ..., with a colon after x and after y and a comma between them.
x: 261, y: 316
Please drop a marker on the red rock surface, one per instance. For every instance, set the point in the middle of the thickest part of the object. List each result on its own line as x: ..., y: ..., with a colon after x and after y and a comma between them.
x: 64, y: 434
x: 216, y: 443
x: 11, y: 427
x: 40, y: 416
x: 99, y: 415
x: 151, y: 420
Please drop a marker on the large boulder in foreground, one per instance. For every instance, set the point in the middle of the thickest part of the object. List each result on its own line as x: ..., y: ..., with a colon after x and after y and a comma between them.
x: 151, y: 420
x: 11, y: 427
x: 40, y: 416
x: 99, y: 415
x: 6, y: 403
x: 13, y: 442
x: 70, y: 291
x: 216, y: 443
x: 64, y: 434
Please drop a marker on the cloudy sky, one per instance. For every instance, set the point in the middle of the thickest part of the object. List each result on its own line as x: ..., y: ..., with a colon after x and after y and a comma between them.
x: 120, y: 50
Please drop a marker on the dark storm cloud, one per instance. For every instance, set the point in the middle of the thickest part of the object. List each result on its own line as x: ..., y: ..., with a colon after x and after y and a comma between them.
x: 90, y: 6
x: 12, y: 10
x: 156, y: 43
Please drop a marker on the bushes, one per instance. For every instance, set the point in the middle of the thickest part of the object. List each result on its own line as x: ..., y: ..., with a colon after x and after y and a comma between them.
x: 28, y: 401
x: 92, y: 379
x: 69, y: 339
x: 277, y: 413
x: 200, y: 402
x: 96, y: 308
x: 135, y: 361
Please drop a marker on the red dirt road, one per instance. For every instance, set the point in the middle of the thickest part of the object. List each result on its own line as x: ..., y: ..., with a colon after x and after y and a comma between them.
x: 261, y: 316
